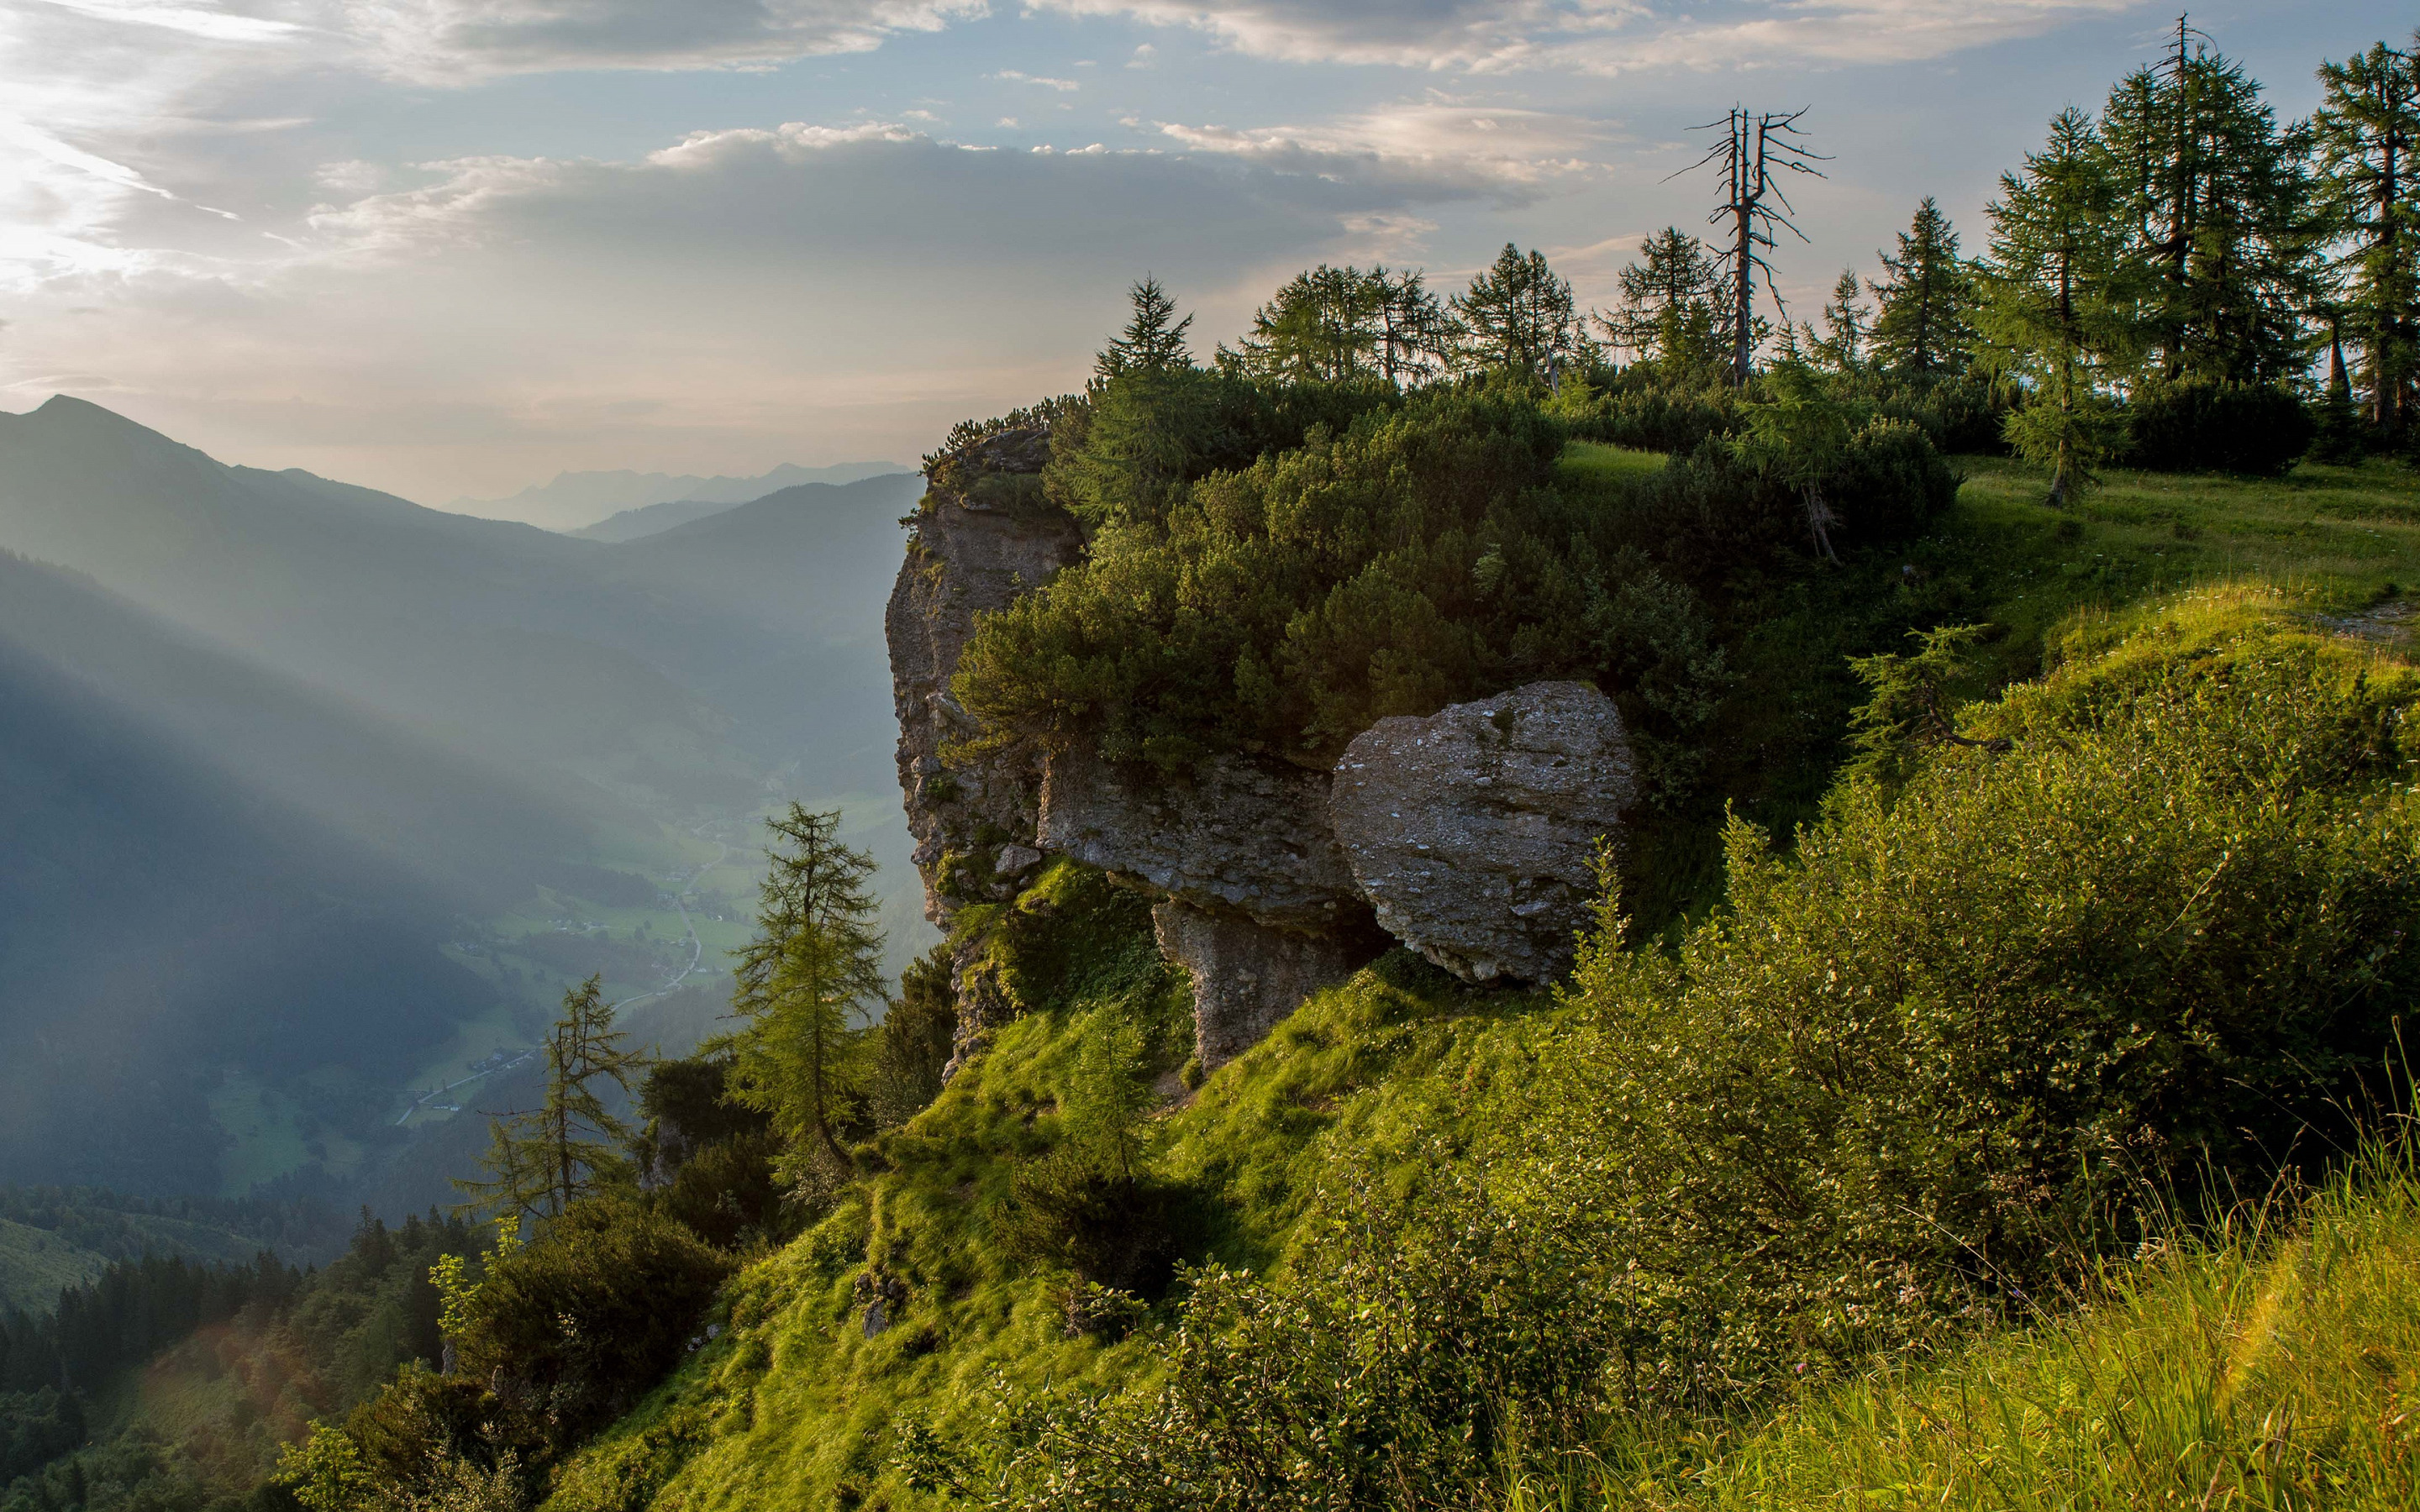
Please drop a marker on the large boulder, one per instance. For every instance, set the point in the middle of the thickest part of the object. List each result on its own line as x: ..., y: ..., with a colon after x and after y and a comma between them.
x: 1237, y: 836
x: 1473, y: 832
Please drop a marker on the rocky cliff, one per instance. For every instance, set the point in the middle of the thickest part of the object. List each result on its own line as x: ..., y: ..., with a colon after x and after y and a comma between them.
x: 1469, y: 835
x: 973, y: 816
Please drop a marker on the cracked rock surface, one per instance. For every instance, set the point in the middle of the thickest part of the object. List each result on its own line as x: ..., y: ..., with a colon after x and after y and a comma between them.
x: 1241, y: 836
x: 1473, y: 832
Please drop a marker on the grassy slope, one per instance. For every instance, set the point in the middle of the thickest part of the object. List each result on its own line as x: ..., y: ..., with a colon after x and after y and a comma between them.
x: 34, y: 1264
x: 793, y: 1406
x: 2276, y: 1366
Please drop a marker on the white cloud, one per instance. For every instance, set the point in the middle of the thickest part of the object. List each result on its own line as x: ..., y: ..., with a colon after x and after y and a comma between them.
x: 1601, y: 37
x: 1503, y: 153
x: 440, y: 41
x: 198, y: 20
x: 1013, y: 76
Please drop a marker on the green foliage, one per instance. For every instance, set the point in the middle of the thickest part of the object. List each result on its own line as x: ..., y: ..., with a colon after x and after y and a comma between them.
x: 1517, y: 317
x: 2225, y: 243
x: 1335, y: 325
x: 811, y: 971
x: 541, y: 1160
x: 1897, y: 1092
x: 1913, y: 706
x: 2056, y: 312
x: 1153, y: 340
x: 2262, y: 1366
x: 1675, y: 305
x: 709, y: 1161
x: 2365, y: 132
x: 2197, y: 426
x: 1923, y: 329
x: 569, y: 1330
x: 916, y: 1039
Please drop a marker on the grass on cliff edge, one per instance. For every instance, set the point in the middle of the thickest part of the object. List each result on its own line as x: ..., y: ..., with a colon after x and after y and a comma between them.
x: 2273, y: 1364
x: 794, y: 1406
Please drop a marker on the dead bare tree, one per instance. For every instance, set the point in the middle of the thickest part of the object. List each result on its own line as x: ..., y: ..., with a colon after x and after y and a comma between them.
x: 1756, y: 149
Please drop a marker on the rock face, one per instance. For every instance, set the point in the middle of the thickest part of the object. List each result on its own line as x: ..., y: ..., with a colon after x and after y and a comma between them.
x: 1242, y: 837
x: 1473, y: 832
x: 964, y: 559
x: 1256, y: 897
x: 1248, y: 976
x: 974, y: 822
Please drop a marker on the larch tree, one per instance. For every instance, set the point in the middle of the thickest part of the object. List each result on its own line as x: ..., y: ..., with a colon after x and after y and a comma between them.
x: 807, y: 984
x: 1674, y: 300
x: 2218, y: 207
x: 1518, y: 315
x: 1320, y: 328
x: 542, y: 1160
x: 1848, y: 327
x: 1923, y: 326
x: 1415, y: 335
x: 2056, y: 315
x: 2365, y: 131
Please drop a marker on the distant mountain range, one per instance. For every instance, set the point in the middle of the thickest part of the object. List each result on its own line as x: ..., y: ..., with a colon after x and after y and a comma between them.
x: 580, y: 502
x: 270, y: 745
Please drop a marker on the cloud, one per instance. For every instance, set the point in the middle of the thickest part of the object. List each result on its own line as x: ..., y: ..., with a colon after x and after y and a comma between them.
x: 1504, y: 154
x: 198, y: 20
x: 1598, y: 36
x: 439, y: 41
x: 1013, y: 76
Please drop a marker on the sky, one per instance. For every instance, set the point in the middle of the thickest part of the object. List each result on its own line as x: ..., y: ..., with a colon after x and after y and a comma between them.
x: 450, y: 247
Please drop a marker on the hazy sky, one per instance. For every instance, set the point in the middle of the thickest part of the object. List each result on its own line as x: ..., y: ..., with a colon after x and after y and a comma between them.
x: 454, y: 246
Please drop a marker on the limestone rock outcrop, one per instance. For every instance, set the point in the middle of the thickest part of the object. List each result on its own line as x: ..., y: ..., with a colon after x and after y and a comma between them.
x: 973, y: 550
x: 1256, y: 899
x: 1239, y: 836
x: 965, y: 559
x: 1473, y: 832
x: 1247, y: 977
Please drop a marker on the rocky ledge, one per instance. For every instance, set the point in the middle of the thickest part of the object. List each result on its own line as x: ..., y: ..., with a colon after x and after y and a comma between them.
x: 1469, y: 835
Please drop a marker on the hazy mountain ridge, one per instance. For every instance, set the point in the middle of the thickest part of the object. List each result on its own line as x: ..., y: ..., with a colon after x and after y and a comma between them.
x: 498, y: 638
x: 579, y: 502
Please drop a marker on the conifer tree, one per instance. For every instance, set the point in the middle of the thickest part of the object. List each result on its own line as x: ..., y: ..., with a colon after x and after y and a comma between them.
x: 1153, y: 338
x: 1672, y: 305
x: 1847, y: 325
x: 1414, y: 333
x: 2217, y: 205
x: 1923, y: 328
x: 1323, y: 326
x: 544, y: 1159
x: 2055, y: 313
x: 1518, y: 315
x: 806, y: 983
x: 2367, y: 130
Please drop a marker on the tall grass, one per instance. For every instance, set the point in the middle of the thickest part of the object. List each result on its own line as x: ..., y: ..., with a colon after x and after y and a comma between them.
x: 2274, y: 1363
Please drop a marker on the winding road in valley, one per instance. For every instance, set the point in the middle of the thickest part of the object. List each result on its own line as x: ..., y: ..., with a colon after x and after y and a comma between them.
x: 696, y: 961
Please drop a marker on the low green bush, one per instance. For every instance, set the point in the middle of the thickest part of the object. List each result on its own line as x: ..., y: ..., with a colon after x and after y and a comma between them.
x: 574, y: 1327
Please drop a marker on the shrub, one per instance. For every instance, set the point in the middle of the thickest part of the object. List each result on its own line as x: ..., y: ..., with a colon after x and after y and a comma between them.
x: 574, y: 1327
x: 2197, y: 425
x: 1953, y: 1042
